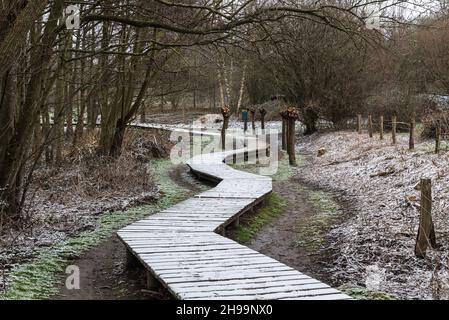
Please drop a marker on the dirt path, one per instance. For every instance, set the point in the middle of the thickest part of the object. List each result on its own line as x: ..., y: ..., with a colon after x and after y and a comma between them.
x: 281, y: 239
x: 104, y: 272
x: 105, y: 276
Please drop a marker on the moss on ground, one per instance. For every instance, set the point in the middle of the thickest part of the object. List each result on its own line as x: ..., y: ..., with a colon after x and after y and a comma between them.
x: 38, y: 278
x: 275, y: 205
x: 311, y: 229
x: 365, y: 294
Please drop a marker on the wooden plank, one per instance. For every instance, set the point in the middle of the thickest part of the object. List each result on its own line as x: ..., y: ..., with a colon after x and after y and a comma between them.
x: 259, y: 259
x: 276, y: 296
x: 228, y: 276
x: 169, y: 259
x: 186, y: 286
x: 248, y: 286
x: 332, y: 296
x: 260, y: 267
x: 198, y: 249
x: 254, y: 291
x: 199, y: 255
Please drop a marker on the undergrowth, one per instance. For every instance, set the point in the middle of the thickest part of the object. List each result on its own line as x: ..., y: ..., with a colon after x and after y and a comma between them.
x: 37, y: 279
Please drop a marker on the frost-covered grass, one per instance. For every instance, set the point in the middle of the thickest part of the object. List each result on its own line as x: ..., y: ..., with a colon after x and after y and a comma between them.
x: 379, y: 181
x: 38, y: 278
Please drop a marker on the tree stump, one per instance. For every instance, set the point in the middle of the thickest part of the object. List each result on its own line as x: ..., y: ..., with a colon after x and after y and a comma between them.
x: 226, y: 113
x: 370, y: 126
x: 426, y: 231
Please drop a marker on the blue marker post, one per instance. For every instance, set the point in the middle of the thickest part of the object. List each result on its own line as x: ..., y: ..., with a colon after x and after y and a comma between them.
x: 245, y: 119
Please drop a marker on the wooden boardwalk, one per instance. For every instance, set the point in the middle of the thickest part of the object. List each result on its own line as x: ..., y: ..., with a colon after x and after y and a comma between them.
x: 182, y: 249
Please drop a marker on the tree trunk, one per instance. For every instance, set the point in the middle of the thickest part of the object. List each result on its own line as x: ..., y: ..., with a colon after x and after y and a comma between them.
x: 117, y: 141
x: 10, y: 37
x: 359, y: 124
x: 223, y: 132
x: 14, y: 151
x: 310, y: 120
x: 143, y: 115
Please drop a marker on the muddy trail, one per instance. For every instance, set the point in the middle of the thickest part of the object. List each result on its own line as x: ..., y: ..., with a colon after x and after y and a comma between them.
x: 281, y: 239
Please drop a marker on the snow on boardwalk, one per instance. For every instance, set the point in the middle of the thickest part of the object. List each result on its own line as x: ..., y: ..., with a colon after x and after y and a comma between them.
x: 180, y: 246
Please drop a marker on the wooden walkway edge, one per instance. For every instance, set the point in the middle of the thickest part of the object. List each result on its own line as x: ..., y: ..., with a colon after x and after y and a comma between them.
x: 181, y: 248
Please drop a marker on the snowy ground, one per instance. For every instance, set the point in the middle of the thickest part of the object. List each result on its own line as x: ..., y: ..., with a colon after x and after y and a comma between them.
x: 375, y: 245
x: 209, y: 121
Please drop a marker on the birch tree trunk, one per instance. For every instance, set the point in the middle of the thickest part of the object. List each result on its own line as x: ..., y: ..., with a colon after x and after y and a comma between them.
x: 242, y: 88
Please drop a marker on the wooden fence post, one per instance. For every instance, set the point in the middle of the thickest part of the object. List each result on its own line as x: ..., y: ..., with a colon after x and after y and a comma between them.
x: 291, y: 142
x: 381, y: 129
x: 370, y: 126
x: 426, y: 230
x: 252, y: 112
x: 412, y: 132
x: 245, y: 121
x: 284, y: 131
x: 263, y: 113
x: 359, y: 124
x: 234, y: 147
x: 226, y: 113
x: 438, y: 137
x: 292, y: 115
x: 393, y: 128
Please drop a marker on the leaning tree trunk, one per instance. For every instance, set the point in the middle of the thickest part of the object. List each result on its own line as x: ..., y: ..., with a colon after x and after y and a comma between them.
x: 117, y: 140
